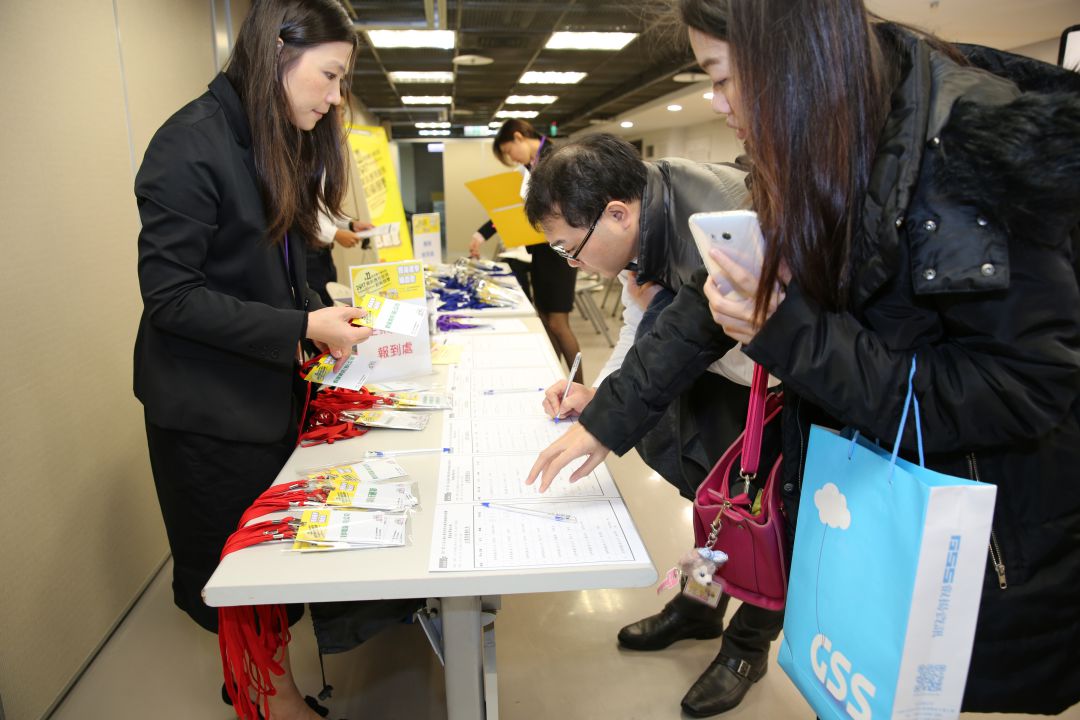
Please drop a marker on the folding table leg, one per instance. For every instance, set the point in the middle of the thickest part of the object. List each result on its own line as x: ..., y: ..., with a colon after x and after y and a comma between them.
x: 464, y: 658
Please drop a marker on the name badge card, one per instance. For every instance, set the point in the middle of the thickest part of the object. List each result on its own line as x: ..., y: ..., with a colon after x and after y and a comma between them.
x: 352, y: 375
x: 400, y: 355
x: 391, y: 316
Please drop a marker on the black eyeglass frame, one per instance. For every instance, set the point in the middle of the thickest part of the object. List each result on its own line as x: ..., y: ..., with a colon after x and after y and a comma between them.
x: 561, y: 252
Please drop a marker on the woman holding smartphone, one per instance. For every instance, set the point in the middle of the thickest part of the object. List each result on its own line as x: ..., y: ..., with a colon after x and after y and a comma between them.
x: 936, y: 223
x: 916, y: 198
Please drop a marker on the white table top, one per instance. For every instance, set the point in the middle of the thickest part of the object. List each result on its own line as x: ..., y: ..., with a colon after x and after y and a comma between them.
x: 269, y: 574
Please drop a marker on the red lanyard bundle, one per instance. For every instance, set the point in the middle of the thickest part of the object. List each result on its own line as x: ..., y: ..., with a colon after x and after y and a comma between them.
x: 284, y: 497
x: 251, y: 636
x: 322, y: 412
x: 265, y: 531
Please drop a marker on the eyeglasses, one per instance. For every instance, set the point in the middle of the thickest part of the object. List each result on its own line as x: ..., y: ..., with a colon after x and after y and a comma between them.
x: 561, y: 252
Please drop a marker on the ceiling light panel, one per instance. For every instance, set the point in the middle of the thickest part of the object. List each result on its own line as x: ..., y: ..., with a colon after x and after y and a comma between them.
x: 432, y: 125
x: 472, y: 60
x: 589, y: 40
x: 531, y: 99
x: 534, y: 77
x: 442, y: 39
x: 525, y: 114
x: 426, y: 99
x: 437, y: 133
x: 399, y: 77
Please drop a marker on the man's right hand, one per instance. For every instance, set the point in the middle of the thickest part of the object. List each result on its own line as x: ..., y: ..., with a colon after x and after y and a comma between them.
x: 576, y: 402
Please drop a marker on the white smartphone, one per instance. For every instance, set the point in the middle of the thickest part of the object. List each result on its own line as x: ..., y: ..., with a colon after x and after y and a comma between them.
x: 737, y: 234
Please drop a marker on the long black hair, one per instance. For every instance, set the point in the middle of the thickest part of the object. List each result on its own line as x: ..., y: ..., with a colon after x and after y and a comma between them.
x: 297, y: 170
x: 814, y: 86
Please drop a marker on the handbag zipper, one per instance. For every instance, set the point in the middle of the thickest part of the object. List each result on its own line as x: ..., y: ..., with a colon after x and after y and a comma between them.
x: 996, y: 559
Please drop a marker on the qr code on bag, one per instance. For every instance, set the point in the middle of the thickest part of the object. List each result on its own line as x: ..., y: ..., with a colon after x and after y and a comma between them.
x: 930, y: 679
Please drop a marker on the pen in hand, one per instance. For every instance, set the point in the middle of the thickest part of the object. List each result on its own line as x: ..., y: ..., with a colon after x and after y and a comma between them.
x: 569, y: 384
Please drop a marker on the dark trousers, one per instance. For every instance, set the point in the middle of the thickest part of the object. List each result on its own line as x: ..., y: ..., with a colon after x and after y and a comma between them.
x: 521, y: 274
x: 750, y: 632
x: 204, y: 484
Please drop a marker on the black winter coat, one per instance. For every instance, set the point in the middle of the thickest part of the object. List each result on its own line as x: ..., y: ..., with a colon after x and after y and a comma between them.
x: 963, y: 258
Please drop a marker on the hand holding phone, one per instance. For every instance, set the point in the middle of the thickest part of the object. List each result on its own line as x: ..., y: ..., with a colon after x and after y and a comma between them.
x: 735, y: 233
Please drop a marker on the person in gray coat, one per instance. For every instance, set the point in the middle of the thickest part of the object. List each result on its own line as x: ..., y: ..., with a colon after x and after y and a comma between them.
x: 601, y: 207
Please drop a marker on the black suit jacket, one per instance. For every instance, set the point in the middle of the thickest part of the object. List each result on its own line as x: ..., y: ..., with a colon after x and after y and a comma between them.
x: 222, y: 316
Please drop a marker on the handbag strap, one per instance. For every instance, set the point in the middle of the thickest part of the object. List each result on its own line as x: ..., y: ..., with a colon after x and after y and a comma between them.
x: 755, y: 421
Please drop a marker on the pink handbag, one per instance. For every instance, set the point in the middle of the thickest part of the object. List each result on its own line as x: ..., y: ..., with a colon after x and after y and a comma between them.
x: 756, y: 569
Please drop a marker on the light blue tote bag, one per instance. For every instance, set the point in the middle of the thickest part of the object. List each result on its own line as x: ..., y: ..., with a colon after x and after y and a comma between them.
x: 885, y: 583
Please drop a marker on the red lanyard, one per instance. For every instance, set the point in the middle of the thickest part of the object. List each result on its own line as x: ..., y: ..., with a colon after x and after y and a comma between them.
x: 250, y: 636
x: 265, y: 531
x: 323, y: 412
x: 275, y: 501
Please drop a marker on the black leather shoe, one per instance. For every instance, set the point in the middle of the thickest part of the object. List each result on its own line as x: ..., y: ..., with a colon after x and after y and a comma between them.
x: 320, y: 710
x: 722, y: 686
x: 680, y: 619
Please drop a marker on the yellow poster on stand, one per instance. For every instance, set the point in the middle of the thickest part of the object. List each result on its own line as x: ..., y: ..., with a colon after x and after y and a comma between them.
x: 501, y: 197
x: 371, y: 153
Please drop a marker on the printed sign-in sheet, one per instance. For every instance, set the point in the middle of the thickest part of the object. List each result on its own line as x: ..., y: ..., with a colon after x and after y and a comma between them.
x: 500, y: 478
x: 475, y: 537
x: 486, y: 517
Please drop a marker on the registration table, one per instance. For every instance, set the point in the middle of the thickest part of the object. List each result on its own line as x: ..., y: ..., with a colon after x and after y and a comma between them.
x: 270, y: 574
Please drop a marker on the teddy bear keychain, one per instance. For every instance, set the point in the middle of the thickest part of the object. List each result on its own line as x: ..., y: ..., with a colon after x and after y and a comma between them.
x: 698, y: 567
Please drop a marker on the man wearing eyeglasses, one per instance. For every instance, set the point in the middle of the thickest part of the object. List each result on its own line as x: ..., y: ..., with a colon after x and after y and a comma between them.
x: 601, y: 207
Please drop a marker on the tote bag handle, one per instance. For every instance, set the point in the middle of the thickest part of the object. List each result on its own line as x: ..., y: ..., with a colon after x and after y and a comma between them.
x: 909, y: 402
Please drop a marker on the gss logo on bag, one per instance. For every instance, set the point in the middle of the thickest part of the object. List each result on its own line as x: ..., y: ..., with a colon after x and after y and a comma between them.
x: 837, y: 685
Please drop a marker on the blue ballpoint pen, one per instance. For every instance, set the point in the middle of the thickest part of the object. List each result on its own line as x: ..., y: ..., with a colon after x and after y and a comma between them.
x: 504, y: 391
x: 559, y: 517
x: 396, y: 453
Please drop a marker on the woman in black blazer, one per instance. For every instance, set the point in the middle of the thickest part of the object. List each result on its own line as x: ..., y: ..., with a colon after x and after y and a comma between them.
x: 228, y: 194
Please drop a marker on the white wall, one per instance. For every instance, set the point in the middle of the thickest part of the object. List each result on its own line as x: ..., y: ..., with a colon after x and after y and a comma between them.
x: 1046, y: 50
x: 705, y: 142
x: 465, y: 160
x: 88, y: 83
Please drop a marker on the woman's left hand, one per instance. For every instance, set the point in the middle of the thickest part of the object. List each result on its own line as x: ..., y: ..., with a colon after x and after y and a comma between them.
x: 734, y: 312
